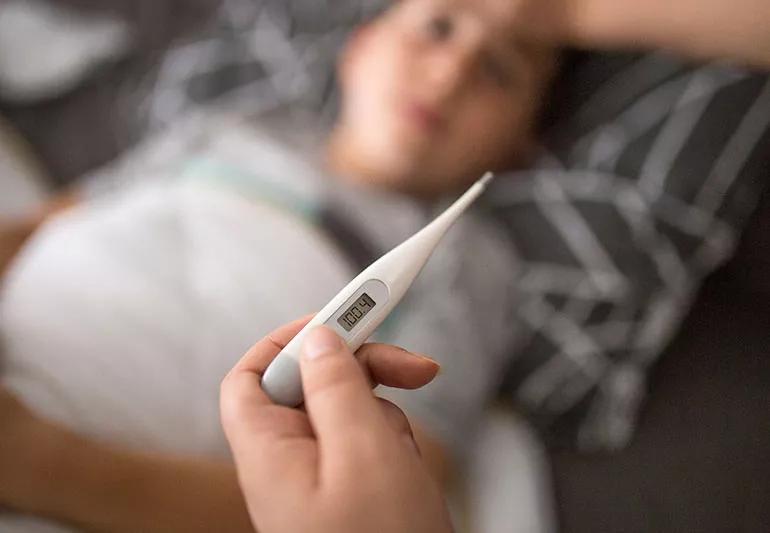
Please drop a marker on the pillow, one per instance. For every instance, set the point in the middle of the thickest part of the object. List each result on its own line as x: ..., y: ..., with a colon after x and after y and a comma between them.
x: 47, y: 50
x: 652, y: 169
x: 261, y: 53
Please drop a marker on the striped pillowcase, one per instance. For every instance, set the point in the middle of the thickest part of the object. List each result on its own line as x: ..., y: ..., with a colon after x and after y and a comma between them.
x: 652, y: 171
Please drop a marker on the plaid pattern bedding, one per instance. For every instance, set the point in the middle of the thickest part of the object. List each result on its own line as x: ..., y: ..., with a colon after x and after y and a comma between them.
x: 263, y: 53
x: 652, y: 173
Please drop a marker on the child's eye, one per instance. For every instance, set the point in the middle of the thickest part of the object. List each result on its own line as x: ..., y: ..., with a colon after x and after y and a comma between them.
x: 440, y: 27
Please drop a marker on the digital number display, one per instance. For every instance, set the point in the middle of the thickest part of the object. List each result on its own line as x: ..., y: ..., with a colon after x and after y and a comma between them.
x: 356, y: 312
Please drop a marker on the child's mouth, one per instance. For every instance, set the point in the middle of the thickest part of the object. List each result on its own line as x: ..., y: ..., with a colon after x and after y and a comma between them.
x: 424, y: 117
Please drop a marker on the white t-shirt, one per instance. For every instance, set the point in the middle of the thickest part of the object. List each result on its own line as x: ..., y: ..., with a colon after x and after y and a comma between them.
x: 121, y: 317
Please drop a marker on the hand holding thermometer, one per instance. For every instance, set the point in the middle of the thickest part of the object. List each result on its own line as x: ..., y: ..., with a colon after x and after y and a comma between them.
x: 366, y: 301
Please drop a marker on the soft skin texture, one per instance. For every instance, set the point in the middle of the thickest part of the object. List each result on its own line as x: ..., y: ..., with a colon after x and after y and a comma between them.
x: 347, y: 464
x: 702, y: 29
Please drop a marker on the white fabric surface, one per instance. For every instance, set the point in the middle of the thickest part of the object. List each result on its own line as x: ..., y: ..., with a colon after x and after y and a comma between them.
x: 172, y: 293
x: 508, y: 479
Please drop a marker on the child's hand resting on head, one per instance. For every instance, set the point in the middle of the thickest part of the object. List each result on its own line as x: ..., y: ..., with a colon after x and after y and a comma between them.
x: 734, y: 30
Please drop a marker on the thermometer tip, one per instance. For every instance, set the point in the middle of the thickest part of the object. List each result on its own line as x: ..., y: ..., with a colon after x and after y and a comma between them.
x: 486, y: 178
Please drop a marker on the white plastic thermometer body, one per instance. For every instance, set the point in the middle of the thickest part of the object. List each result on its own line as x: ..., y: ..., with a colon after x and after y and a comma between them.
x: 366, y: 301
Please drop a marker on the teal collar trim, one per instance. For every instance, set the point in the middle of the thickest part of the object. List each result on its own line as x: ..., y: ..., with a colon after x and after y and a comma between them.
x: 213, y: 172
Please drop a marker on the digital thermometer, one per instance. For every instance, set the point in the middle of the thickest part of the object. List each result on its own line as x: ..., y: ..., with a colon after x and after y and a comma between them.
x: 366, y: 301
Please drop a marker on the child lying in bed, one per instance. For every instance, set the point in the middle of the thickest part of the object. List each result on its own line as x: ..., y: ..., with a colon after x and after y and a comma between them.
x: 235, y: 225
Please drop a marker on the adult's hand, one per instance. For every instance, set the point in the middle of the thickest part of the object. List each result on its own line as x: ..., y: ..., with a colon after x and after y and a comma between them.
x: 349, y: 463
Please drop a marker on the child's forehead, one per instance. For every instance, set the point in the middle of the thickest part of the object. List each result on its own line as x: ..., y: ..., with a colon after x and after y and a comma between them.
x: 495, y: 12
x: 497, y: 16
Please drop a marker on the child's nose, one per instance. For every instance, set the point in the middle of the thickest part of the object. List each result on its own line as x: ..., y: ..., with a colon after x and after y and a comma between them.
x: 448, y: 71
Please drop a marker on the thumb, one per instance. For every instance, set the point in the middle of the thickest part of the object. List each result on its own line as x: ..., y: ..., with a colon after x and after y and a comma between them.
x: 338, y: 397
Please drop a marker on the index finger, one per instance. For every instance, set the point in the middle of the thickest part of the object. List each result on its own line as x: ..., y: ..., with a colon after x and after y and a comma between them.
x: 241, y: 394
x: 259, y: 356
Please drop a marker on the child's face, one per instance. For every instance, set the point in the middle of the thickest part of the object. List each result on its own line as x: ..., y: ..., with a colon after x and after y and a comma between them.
x: 435, y: 92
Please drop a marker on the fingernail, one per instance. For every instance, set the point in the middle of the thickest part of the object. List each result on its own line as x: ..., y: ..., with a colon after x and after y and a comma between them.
x: 320, y: 341
x: 427, y: 358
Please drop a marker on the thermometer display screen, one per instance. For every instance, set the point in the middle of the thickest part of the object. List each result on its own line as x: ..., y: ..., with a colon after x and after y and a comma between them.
x: 356, y: 312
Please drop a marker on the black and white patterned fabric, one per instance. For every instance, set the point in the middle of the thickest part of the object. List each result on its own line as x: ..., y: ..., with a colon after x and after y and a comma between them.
x: 263, y: 53
x: 652, y: 168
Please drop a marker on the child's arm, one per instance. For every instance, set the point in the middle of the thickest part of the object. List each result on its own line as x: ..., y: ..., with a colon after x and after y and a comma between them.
x: 704, y: 29
x: 47, y: 471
